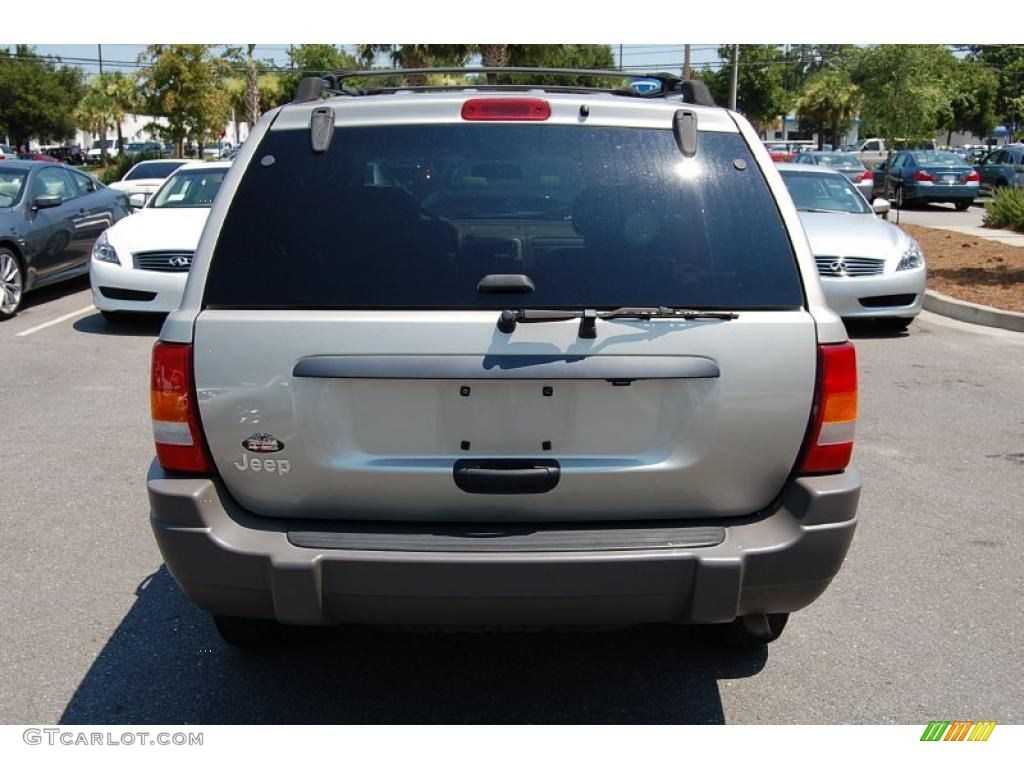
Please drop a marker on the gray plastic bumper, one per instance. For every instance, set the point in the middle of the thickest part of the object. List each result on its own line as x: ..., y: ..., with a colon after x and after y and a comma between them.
x: 231, y: 562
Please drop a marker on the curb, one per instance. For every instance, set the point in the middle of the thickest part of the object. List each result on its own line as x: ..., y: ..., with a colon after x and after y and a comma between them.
x: 978, y: 314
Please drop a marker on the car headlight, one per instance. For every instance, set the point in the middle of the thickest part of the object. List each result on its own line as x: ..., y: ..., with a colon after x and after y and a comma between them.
x: 102, y: 250
x: 912, y: 257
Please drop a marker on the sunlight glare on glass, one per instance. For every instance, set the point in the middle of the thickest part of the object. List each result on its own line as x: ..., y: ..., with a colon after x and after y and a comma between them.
x: 687, y: 168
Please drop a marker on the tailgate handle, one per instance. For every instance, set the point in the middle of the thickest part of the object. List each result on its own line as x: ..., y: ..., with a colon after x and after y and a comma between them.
x: 506, y: 475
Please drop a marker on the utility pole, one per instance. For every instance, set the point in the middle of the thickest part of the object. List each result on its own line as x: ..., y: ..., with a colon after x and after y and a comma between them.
x: 620, y: 57
x: 686, y: 62
x: 103, y: 130
x: 734, y: 82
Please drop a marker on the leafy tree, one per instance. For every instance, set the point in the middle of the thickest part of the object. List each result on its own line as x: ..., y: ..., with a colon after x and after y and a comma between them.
x: 973, y: 91
x: 37, y: 96
x: 761, y: 93
x: 493, y: 55
x: 184, y: 84
x: 417, y: 56
x: 830, y: 102
x: 1007, y: 61
x: 905, y: 90
x: 569, y: 56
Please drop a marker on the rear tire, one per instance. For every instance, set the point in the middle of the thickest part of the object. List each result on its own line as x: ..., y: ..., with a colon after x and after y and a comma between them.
x: 754, y: 631
x: 900, y: 202
x: 242, y: 632
x: 962, y: 205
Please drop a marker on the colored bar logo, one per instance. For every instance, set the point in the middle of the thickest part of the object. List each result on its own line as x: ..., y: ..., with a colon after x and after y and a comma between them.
x: 958, y: 730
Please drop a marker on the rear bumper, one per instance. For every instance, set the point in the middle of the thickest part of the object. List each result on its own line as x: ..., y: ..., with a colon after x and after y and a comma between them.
x: 233, y: 563
x: 940, y: 192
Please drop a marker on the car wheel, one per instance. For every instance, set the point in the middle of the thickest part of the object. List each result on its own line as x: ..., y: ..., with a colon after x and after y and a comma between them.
x: 896, y: 324
x: 242, y: 632
x: 899, y: 196
x: 12, y: 283
x: 752, y: 631
x: 962, y: 205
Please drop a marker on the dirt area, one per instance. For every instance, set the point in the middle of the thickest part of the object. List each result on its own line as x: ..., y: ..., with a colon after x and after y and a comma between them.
x: 972, y: 269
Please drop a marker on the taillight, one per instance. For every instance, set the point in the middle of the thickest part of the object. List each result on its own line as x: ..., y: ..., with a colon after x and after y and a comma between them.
x: 924, y: 176
x: 506, y: 109
x: 180, y: 445
x: 866, y: 176
x: 830, y: 439
x: 972, y: 176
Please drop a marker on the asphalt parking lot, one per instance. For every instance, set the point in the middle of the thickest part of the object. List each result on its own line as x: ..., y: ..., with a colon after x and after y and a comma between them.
x: 922, y: 623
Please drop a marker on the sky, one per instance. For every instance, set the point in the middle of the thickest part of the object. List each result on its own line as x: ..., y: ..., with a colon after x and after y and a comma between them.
x: 639, y: 57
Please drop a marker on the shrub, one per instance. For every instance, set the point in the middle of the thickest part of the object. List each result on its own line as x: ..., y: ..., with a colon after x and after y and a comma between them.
x: 1006, y: 209
x: 120, y: 165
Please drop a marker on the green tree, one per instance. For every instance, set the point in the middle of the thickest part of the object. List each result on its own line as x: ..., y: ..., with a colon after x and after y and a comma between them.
x: 309, y: 60
x: 122, y: 92
x: 830, y: 101
x: 96, y: 113
x: 417, y: 56
x: 1007, y: 62
x: 906, y: 94
x: 761, y: 92
x: 571, y: 56
x: 973, y: 89
x: 38, y: 96
x: 184, y: 84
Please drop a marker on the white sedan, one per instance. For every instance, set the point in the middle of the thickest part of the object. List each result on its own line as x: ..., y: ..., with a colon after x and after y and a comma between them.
x: 141, y: 263
x: 146, y: 177
x: 868, y: 267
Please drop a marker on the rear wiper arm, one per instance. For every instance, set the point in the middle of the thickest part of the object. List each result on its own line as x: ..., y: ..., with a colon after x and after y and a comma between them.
x: 588, y: 317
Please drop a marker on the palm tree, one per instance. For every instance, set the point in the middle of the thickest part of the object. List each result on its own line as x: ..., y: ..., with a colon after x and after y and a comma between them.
x: 95, y: 113
x: 416, y: 56
x: 493, y: 55
x: 121, y: 91
x: 830, y: 101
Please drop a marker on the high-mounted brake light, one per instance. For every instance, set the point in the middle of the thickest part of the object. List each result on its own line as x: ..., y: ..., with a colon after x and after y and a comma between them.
x: 180, y: 445
x: 923, y: 176
x: 506, y: 109
x: 972, y: 176
x: 830, y: 439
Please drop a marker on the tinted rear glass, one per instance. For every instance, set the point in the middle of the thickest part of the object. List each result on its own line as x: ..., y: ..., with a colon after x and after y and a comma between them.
x: 415, y: 216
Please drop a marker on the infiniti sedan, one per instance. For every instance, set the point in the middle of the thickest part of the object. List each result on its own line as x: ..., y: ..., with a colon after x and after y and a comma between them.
x: 869, y: 268
x: 50, y: 216
x: 141, y: 265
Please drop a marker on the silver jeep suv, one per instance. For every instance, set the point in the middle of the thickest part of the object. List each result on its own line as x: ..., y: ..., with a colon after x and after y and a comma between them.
x: 503, y: 356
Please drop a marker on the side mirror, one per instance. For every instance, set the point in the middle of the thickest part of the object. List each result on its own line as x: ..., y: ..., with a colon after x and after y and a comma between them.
x: 880, y: 206
x: 138, y: 200
x: 47, y: 201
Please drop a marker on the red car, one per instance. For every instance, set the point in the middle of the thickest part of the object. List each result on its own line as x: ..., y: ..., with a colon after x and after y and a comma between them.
x: 37, y: 156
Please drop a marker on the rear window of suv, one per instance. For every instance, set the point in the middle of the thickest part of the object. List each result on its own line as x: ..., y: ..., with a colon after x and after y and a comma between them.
x: 414, y: 216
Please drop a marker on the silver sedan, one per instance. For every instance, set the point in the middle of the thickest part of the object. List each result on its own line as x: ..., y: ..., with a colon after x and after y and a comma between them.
x: 869, y: 268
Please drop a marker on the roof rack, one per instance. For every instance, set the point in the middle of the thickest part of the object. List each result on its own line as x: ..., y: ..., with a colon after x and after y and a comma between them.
x: 691, y: 91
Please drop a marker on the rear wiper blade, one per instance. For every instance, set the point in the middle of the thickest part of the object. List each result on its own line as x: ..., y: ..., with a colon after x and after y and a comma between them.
x: 588, y: 317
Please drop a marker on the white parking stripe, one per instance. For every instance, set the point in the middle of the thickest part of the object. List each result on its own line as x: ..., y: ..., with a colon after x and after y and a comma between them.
x: 61, y: 319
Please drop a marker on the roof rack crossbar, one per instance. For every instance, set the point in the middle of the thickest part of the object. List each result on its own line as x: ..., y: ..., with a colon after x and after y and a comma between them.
x: 692, y: 91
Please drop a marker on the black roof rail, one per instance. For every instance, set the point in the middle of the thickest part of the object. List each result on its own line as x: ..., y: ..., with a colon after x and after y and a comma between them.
x: 691, y: 91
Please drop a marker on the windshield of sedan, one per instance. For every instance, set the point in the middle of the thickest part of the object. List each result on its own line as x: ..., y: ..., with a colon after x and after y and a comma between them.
x: 190, y: 189
x: 937, y: 158
x: 846, y: 162
x: 824, y: 193
x: 11, y: 184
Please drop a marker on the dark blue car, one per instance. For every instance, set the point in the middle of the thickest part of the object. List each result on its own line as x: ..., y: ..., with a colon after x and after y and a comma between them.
x: 928, y: 176
x: 50, y: 216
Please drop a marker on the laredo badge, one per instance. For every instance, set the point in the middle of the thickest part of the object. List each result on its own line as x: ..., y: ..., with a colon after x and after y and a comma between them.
x: 262, y: 442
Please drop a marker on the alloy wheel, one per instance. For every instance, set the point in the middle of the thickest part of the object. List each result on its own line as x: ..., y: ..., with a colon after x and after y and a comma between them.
x: 10, y: 284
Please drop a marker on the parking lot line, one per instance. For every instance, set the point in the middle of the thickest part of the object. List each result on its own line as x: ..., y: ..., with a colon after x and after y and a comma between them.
x: 61, y: 319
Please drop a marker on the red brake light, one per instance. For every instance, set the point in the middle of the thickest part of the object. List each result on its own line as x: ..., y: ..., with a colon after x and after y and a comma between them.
x: 506, y: 109
x: 830, y: 440
x: 972, y: 176
x: 924, y: 176
x: 180, y: 445
x: 866, y: 176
